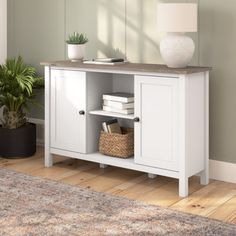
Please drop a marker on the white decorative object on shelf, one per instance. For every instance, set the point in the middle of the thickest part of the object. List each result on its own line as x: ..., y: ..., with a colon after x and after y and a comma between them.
x: 177, y: 49
x: 76, y: 46
x: 76, y: 52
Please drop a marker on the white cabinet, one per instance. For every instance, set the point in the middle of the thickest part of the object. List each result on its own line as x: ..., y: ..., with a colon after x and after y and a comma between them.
x: 68, y: 107
x: 170, y: 120
x: 156, y: 105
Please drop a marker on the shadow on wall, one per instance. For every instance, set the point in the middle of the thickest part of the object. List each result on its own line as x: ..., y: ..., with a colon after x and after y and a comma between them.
x: 116, y: 28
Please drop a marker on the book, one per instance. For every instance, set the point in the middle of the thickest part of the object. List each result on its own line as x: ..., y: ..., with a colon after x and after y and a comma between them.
x: 104, y: 124
x: 119, y: 97
x: 114, y: 128
x: 104, y: 63
x: 118, y: 105
x: 111, y: 126
x: 109, y: 60
x: 124, y: 111
x: 104, y: 127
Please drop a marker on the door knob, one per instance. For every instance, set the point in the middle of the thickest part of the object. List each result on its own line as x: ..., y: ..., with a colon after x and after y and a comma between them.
x: 136, y: 119
x: 81, y: 112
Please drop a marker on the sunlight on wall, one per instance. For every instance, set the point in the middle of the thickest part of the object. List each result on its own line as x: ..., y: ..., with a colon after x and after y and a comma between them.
x: 102, y: 26
x: 142, y: 33
x: 118, y: 21
x: 3, y: 31
x: 111, y: 28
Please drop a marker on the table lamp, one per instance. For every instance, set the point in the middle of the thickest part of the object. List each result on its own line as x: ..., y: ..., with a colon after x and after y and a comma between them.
x: 176, y: 19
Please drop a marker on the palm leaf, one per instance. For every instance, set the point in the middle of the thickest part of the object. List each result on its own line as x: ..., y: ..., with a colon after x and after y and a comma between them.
x: 17, y: 81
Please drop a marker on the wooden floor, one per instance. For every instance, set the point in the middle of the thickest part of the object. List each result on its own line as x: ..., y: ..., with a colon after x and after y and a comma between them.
x: 217, y: 200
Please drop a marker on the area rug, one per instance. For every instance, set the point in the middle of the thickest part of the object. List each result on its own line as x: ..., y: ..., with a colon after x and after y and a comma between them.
x: 35, y: 206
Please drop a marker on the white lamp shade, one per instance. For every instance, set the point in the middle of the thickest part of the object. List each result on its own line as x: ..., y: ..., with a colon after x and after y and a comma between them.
x: 177, y: 17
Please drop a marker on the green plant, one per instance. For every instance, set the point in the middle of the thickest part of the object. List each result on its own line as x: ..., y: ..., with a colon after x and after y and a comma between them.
x: 17, y: 81
x: 77, y: 38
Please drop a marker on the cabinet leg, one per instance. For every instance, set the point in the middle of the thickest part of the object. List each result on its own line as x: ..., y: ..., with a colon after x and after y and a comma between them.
x: 204, y: 178
x: 183, y: 187
x: 151, y: 176
x: 48, y: 159
x: 103, y: 166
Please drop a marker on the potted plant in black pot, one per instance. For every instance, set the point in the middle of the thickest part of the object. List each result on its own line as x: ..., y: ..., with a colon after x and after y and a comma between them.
x: 17, y: 81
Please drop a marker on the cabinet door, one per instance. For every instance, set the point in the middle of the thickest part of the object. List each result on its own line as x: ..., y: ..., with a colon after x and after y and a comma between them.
x: 68, y: 97
x: 156, y: 102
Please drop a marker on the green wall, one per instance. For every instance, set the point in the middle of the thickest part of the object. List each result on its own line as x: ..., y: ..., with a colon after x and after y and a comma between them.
x: 37, y: 30
x: 218, y: 49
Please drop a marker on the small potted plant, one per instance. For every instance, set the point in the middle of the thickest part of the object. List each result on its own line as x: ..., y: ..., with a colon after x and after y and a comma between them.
x: 17, y: 81
x: 76, y: 46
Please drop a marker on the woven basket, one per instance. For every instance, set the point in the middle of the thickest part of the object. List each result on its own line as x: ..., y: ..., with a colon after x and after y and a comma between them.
x: 117, y: 145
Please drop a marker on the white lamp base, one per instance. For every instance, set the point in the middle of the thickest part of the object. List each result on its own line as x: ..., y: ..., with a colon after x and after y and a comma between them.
x: 177, y: 50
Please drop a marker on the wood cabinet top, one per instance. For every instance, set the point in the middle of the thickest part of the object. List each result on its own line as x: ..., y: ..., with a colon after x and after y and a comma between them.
x: 127, y: 68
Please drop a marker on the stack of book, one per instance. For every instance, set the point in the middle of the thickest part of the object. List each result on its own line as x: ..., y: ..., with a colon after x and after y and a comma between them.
x: 122, y: 103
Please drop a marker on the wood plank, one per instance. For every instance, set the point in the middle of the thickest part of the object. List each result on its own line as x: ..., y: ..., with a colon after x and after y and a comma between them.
x: 105, y: 182
x: 28, y: 166
x: 162, y: 191
x: 127, y: 184
x: 127, y: 68
x: 82, y: 176
x: 233, y: 220
x: 64, y: 169
x: 5, y: 162
x: 144, y: 187
x: 207, y: 199
x: 226, y: 212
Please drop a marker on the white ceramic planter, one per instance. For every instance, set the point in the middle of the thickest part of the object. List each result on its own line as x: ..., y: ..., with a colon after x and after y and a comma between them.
x: 76, y: 52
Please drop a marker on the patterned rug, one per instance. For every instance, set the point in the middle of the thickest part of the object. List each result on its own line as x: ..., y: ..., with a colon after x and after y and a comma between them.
x: 34, y: 206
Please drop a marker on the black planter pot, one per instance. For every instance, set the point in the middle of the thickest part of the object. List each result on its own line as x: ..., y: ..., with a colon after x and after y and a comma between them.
x: 18, y: 143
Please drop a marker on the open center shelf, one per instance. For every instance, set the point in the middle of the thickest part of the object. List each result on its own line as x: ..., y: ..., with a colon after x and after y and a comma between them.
x: 112, y: 114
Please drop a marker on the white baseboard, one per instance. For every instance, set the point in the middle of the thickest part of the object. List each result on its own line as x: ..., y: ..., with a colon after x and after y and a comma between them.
x: 36, y: 121
x: 223, y: 171
x: 219, y: 170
